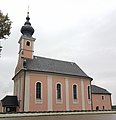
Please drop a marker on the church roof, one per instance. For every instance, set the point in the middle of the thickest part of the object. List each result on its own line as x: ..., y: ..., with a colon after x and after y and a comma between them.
x: 9, y: 101
x: 98, y: 90
x: 43, y: 64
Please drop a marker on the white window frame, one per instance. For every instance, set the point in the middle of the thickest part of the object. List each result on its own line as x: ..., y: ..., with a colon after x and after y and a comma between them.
x: 39, y: 101
x: 75, y: 101
x: 26, y: 43
x: 59, y: 101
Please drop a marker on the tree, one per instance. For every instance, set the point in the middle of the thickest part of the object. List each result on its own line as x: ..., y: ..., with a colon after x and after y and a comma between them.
x: 5, y: 25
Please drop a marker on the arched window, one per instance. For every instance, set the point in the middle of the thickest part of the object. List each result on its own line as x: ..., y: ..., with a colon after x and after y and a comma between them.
x: 38, y: 90
x: 58, y: 91
x: 103, y: 107
x: 103, y: 97
x: 28, y: 43
x: 74, y: 91
x: 89, y: 92
x: 97, y: 107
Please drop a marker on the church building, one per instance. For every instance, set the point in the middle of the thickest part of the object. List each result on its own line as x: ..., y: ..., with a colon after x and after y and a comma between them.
x: 44, y: 84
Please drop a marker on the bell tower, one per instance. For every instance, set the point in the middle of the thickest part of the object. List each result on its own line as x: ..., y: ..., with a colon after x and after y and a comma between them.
x: 26, y: 41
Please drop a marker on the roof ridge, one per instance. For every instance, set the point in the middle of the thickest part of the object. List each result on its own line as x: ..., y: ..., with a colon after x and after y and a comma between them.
x: 54, y: 59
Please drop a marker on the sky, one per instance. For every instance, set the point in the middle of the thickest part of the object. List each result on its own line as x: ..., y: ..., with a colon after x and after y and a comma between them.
x: 80, y: 31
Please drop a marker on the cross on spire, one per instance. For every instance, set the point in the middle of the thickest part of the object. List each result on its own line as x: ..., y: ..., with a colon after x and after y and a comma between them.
x: 27, y: 29
x: 28, y: 11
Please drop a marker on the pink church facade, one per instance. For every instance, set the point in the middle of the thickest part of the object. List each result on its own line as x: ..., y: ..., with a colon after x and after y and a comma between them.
x: 49, y: 100
x: 101, y: 98
x: 43, y: 84
x: 101, y: 102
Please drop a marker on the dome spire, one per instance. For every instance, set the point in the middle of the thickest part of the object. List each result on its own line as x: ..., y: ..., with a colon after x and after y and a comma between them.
x: 27, y: 29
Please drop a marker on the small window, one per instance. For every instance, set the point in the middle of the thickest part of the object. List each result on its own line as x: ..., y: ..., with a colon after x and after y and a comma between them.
x: 22, y: 52
x: 103, y: 97
x: 38, y: 90
x: 28, y: 43
x: 103, y: 107
x: 74, y: 91
x: 97, y: 108
x: 59, y: 91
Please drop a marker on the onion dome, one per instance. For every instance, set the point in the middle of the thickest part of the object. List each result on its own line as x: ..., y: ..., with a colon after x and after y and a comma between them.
x: 27, y: 29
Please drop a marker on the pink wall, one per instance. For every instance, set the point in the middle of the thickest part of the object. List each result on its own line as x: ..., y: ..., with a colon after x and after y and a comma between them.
x: 59, y: 106
x: 75, y: 105
x: 19, y: 89
x: 42, y: 105
x: 34, y: 105
x: 27, y: 50
x: 97, y: 101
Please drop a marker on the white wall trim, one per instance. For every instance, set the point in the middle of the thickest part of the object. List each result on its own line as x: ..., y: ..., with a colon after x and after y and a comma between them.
x: 27, y: 92
x: 83, y: 95
x: 67, y: 93
x: 49, y: 79
x: 2, y: 109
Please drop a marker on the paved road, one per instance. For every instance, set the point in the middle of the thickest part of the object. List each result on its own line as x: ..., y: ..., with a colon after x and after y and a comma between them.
x: 68, y: 117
